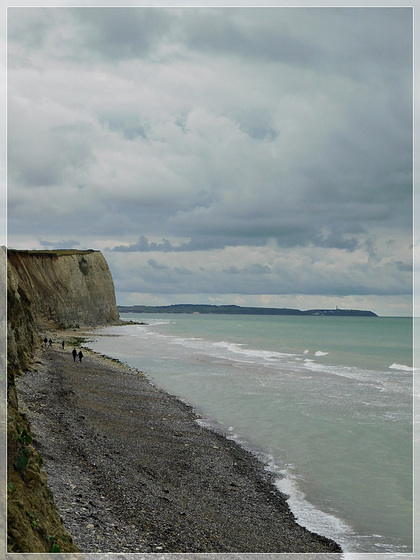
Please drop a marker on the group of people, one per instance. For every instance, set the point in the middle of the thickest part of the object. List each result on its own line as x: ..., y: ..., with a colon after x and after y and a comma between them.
x: 50, y: 342
x: 74, y: 353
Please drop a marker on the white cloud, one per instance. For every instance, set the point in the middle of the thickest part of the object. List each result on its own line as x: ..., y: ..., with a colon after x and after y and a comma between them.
x: 260, y: 140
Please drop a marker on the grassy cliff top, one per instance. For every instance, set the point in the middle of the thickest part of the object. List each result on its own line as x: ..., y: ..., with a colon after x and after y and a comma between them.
x: 52, y: 252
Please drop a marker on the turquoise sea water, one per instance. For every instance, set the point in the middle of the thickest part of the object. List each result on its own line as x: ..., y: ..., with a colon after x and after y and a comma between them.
x: 326, y: 402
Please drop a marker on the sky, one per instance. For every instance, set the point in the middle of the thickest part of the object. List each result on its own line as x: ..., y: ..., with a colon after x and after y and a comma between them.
x: 250, y: 155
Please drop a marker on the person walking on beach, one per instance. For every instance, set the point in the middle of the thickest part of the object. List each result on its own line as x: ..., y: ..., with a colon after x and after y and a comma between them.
x: 50, y: 341
x: 45, y: 341
x: 80, y: 354
x: 62, y: 345
x: 74, y: 354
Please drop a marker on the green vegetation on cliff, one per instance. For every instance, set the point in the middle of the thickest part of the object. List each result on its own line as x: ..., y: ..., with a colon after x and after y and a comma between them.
x: 33, y: 522
x: 50, y: 252
x: 54, y: 289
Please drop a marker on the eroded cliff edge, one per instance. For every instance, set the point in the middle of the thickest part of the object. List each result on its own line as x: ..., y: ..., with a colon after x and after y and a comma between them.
x: 67, y: 287
x: 56, y: 289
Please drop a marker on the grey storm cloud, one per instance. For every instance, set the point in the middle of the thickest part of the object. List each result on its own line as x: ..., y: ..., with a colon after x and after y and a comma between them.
x: 116, y: 34
x: 254, y: 269
x: 63, y: 244
x: 155, y: 265
x: 144, y: 246
x: 285, y: 277
x: 280, y: 131
x: 127, y: 124
x: 231, y: 35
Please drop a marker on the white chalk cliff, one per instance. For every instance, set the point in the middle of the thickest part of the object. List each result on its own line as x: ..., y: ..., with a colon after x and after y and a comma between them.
x: 68, y: 287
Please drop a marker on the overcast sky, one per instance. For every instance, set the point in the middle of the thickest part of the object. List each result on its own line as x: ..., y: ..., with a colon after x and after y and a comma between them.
x: 257, y: 156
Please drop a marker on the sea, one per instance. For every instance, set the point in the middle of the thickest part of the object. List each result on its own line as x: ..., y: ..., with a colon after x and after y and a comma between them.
x: 326, y: 403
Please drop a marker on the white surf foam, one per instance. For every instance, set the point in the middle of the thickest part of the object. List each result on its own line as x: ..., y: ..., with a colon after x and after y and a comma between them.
x: 311, y: 517
x: 402, y: 367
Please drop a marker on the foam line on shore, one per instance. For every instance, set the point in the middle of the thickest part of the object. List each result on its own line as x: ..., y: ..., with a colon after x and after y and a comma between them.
x: 132, y: 471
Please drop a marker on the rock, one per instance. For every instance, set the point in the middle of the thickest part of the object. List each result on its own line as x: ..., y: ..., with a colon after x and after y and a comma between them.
x: 70, y: 288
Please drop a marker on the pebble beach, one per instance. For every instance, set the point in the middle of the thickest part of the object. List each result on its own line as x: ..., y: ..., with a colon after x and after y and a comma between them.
x: 132, y: 470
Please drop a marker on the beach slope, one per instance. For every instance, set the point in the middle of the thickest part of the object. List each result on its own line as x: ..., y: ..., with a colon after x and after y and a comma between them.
x: 132, y: 470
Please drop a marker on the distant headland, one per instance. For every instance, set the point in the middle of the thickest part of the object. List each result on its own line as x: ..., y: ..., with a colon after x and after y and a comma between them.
x: 238, y: 310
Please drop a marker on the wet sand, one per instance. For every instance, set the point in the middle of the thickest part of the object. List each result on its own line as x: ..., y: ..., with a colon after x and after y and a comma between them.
x: 132, y: 470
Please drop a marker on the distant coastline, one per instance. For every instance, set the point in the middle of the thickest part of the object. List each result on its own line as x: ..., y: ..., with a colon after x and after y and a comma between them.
x: 238, y: 310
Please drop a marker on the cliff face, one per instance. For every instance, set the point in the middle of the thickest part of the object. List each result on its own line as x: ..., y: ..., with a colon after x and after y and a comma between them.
x: 21, y: 325
x: 54, y: 289
x: 69, y: 288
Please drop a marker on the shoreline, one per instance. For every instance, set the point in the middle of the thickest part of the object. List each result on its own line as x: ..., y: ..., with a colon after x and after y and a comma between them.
x: 132, y: 470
